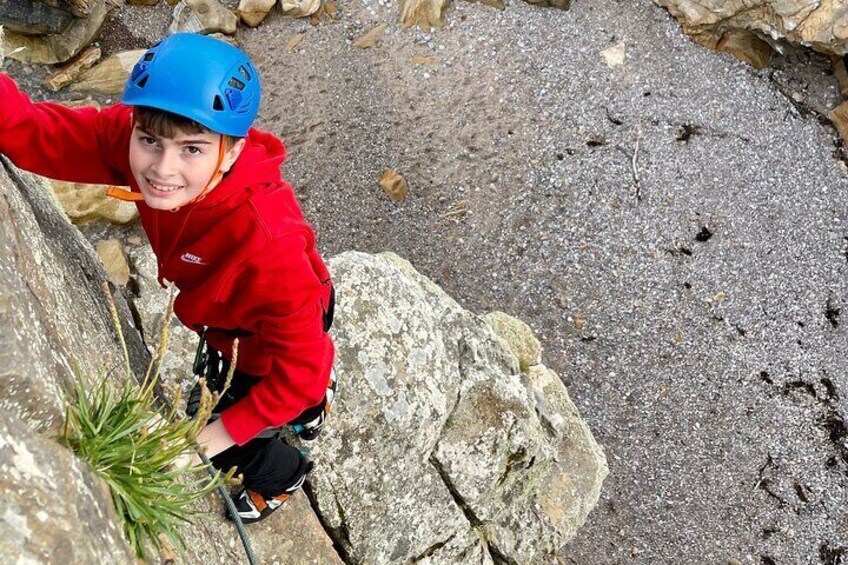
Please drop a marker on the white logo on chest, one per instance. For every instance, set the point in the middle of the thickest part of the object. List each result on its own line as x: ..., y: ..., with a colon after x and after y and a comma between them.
x: 193, y: 259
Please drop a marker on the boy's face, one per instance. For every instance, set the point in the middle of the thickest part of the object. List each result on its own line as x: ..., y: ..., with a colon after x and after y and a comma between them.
x: 173, y: 171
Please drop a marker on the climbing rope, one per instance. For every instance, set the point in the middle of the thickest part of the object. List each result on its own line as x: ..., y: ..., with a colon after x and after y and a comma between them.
x: 245, y: 539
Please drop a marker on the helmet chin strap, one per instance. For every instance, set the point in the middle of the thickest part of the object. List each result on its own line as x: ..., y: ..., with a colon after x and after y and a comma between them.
x: 216, y: 176
x: 129, y: 196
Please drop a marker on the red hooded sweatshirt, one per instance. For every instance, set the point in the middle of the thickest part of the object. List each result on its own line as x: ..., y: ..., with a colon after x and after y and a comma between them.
x: 243, y: 258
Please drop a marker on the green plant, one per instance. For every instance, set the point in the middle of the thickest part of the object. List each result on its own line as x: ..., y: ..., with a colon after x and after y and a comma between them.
x: 117, y: 429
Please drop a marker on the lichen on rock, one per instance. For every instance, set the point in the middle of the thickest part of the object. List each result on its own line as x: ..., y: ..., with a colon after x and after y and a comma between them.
x: 437, y: 439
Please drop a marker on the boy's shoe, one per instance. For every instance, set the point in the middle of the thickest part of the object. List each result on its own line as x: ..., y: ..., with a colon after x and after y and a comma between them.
x: 253, y: 507
x: 312, y: 429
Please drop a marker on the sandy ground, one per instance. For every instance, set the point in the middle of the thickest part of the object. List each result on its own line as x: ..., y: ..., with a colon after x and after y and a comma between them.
x: 674, y: 230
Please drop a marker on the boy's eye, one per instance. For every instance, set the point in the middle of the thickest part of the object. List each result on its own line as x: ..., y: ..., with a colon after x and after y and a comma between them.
x: 193, y: 150
x: 148, y: 140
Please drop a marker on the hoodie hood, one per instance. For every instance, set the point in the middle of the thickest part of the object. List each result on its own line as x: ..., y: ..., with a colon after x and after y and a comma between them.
x: 258, y: 164
x: 256, y: 169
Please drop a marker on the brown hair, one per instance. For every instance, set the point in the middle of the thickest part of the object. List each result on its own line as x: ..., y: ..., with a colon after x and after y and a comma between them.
x: 162, y: 123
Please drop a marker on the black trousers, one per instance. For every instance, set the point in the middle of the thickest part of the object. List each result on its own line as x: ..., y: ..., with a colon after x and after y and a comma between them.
x: 268, y: 464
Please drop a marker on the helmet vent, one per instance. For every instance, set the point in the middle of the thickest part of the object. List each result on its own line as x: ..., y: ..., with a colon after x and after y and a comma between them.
x: 148, y: 56
x: 218, y: 104
x: 236, y: 83
x: 244, y: 72
x: 142, y: 81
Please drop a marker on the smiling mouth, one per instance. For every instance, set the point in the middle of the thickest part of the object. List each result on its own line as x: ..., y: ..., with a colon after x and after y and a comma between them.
x: 163, y: 188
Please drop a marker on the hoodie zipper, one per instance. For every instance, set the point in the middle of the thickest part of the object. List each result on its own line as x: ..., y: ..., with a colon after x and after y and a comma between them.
x: 167, y: 256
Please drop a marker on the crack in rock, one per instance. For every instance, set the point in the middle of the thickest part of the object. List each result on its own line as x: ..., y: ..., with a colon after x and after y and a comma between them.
x: 430, y: 551
x: 340, y: 536
x: 498, y: 557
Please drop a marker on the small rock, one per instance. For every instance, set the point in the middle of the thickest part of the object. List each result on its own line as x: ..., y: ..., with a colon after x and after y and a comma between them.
x: 370, y: 38
x: 87, y: 202
x: 425, y: 14
x: 294, y: 42
x: 839, y: 117
x: 299, y: 8
x: 840, y: 74
x: 331, y: 10
x: 578, y: 322
x: 110, y: 76
x: 252, y: 12
x: 745, y: 46
x: 394, y: 185
x: 718, y: 297
x: 616, y: 55
x: 203, y: 16
x: 733, y: 561
x: 111, y: 253
x: 69, y: 73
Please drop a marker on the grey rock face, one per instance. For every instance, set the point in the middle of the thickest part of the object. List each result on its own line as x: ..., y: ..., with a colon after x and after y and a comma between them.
x: 52, y: 508
x: 52, y: 318
x: 52, y: 305
x: 437, y: 451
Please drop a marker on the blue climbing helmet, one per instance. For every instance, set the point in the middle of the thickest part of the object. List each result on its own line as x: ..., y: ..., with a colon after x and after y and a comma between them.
x: 200, y: 78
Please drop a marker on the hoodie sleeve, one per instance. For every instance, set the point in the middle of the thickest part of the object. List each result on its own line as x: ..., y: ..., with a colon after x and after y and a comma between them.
x: 281, y: 299
x: 72, y: 144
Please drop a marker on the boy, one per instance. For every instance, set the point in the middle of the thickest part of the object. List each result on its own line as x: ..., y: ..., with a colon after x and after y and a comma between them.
x: 225, y: 228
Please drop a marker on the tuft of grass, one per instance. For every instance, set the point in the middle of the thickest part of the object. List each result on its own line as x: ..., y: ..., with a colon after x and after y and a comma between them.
x: 118, y: 430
